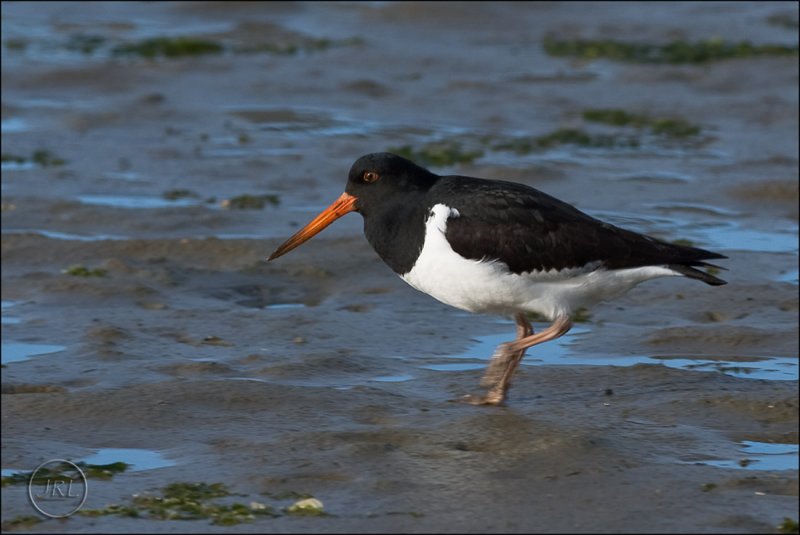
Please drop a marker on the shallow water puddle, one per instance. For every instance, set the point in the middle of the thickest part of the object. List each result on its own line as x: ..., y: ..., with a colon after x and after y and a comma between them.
x: 732, y: 236
x: 657, y: 177
x: 17, y: 166
x: 769, y: 368
x: 138, y: 459
x: 722, y: 234
x: 790, y: 276
x: 66, y: 235
x: 561, y: 352
x: 229, y: 152
x: 454, y: 367
x: 20, y: 351
x: 127, y: 176
x: 13, y: 125
x: 558, y: 352
x: 485, y: 346
x: 8, y: 320
x: 761, y: 456
x: 393, y: 378
x: 133, y: 201
x: 284, y: 306
x: 698, y: 208
x: 303, y: 122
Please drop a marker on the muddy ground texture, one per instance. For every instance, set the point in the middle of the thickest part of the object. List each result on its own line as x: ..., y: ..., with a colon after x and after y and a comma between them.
x: 318, y: 374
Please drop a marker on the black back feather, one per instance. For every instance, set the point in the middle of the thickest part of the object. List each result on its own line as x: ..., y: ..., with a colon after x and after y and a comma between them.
x: 529, y: 230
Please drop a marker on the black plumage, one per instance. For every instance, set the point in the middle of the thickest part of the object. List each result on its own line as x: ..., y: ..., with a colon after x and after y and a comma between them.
x: 529, y: 230
x: 520, y: 226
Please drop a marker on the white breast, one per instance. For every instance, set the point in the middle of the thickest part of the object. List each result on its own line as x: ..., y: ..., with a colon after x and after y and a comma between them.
x: 488, y: 286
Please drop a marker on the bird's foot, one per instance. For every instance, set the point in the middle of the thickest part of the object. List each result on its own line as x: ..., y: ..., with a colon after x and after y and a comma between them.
x: 491, y: 398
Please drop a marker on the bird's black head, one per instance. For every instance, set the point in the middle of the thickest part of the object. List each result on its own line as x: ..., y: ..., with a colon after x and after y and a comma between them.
x: 377, y: 182
x: 381, y: 176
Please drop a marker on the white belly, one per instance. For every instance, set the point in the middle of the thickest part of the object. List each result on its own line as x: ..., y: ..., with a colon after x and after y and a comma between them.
x: 486, y: 286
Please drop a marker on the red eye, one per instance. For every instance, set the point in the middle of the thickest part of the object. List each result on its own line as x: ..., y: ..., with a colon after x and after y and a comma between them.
x: 371, y: 176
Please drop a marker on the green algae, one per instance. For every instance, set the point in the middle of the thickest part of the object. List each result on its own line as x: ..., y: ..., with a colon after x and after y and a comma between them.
x: 178, y: 47
x: 251, y: 202
x: 13, y: 158
x: 632, y: 130
x: 17, y: 45
x: 567, y: 136
x: 662, y: 130
x: 169, y: 47
x: 172, y: 47
x: 665, y: 126
x: 305, y: 46
x: 79, y: 270
x: 23, y: 521
x: 788, y: 526
x: 206, y: 501
x: 187, y: 501
x: 45, y: 158
x: 675, y: 128
x: 438, y: 154
x: 675, y: 52
x: 40, y: 157
x: 113, y: 509
x: 178, y: 194
x: 195, y: 491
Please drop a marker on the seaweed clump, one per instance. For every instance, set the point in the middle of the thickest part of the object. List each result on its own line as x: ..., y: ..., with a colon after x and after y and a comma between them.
x: 675, y: 52
x: 251, y: 202
x: 168, y: 47
x: 566, y: 136
x: 79, y: 270
x: 666, y: 126
x: 187, y: 501
x: 438, y: 154
x: 40, y: 157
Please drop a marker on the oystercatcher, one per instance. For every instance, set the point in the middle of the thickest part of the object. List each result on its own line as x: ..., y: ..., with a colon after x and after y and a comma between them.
x: 498, y: 247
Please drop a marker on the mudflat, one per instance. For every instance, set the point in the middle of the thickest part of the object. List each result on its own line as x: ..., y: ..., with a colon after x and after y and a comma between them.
x: 142, y: 194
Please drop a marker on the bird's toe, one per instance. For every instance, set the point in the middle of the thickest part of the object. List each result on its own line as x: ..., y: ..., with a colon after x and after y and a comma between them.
x: 488, y: 399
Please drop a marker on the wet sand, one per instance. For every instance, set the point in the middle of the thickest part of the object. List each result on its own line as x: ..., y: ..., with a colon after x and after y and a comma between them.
x: 323, y: 373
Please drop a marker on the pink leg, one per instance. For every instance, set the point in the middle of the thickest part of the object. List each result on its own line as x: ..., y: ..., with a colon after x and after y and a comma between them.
x: 501, y: 359
x: 510, y: 354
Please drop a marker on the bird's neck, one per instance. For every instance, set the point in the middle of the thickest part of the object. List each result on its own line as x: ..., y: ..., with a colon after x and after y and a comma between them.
x: 396, y: 230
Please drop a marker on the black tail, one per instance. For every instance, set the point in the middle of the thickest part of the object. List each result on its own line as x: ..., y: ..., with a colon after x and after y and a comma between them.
x: 690, y: 271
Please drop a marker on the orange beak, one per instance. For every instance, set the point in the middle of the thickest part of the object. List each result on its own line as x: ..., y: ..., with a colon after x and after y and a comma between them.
x: 343, y: 205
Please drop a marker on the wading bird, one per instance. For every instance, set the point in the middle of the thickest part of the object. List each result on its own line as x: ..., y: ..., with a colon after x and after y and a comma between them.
x: 498, y: 247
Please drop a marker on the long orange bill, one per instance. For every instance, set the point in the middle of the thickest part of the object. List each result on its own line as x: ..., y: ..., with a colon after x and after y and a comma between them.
x: 343, y: 205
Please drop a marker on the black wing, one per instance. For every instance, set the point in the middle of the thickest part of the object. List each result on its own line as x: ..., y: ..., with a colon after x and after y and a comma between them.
x: 529, y: 230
